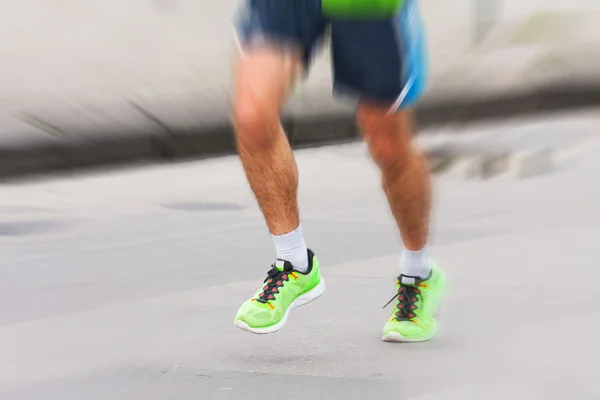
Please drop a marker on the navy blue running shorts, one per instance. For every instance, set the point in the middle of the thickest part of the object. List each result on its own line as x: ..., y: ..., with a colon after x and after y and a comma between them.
x: 382, y: 61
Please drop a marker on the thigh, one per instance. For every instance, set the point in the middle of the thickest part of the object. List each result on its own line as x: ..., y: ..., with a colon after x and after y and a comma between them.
x: 263, y: 77
x: 384, y: 61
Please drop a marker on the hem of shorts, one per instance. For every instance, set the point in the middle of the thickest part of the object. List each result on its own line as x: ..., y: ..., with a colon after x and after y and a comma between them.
x: 261, y: 39
x: 355, y: 96
x: 268, y: 40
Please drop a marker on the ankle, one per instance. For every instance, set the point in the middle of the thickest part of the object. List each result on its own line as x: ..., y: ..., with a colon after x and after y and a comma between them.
x: 292, y: 247
x: 416, y: 263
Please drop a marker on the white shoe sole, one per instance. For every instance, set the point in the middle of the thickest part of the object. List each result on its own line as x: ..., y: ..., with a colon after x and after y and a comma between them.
x: 306, y: 298
x: 395, y: 337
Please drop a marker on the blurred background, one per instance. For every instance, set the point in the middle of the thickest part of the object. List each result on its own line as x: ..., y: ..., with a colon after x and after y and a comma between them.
x: 155, y: 74
x: 122, y: 282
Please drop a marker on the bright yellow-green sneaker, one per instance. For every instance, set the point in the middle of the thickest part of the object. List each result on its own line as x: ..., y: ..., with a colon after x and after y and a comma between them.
x: 283, y: 289
x: 415, y: 311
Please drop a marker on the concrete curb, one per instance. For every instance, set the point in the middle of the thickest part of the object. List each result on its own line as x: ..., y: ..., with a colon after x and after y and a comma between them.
x: 482, y: 164
x: 304, y: 132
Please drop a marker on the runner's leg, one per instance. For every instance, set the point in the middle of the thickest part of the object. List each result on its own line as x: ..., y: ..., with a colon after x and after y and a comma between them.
x: 263, y: 77
x: 382, y: 63
x: 404, y: 171
x: 273, y: 48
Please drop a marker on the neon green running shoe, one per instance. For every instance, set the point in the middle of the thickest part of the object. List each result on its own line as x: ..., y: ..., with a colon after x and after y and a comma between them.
x: 284, y: 289
x: 415, y: 311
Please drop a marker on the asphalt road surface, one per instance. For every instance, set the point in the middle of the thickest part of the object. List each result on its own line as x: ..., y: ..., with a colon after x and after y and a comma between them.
x: 124, y: 284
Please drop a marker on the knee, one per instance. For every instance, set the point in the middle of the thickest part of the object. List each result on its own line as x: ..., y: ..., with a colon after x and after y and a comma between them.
x: 386, y: 153
x: 388, y: 138
x: 255, y: 126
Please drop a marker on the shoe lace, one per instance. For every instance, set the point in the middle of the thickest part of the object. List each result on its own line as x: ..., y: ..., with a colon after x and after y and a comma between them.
x: 407, y: 296
x: 273, y: 282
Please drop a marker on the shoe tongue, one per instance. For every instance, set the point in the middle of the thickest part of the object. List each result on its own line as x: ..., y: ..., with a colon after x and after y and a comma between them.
x: 409, y: 280
x: 283, y: 265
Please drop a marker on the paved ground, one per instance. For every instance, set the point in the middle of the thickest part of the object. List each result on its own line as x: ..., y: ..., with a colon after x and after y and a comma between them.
x: 124, y: 284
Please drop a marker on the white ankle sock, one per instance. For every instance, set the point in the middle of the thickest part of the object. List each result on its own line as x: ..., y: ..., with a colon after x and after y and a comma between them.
x: 416, y: 263
x: 292, y: 247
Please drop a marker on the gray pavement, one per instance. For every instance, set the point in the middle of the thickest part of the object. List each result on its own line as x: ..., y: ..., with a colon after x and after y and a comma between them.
x: 115, y: 287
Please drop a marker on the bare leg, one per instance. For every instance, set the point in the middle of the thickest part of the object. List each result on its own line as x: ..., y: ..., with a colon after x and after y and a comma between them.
x: 405, y: 175
x: 406, y: 182
x: 263, y: 78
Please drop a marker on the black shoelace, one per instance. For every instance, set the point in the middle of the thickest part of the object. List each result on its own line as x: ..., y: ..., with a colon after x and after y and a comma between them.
x: 273, y: 282
x: 407, y: 299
